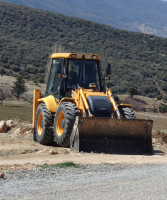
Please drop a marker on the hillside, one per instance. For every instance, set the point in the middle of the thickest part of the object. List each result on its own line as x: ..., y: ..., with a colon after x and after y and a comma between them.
x: 28, y: 36
x: 146, y: 16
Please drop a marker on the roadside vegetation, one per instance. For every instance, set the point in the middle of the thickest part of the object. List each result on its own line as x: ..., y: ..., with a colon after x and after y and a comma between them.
x: 61, y: 165
x: 28, y: 36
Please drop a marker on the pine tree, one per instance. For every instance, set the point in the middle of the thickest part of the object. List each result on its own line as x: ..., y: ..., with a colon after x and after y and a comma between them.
x: 19, y: 87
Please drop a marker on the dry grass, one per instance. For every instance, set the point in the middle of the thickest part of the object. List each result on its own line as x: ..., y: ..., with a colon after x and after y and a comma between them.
x: 138, y: 104
x: 159, y: 120
x: 16, y: 111
x: 141, y: 103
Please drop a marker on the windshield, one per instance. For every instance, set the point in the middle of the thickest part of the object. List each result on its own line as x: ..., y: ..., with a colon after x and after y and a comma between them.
x: 82, y: 73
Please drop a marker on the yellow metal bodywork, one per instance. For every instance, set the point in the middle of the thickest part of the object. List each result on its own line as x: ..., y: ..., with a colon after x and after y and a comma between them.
x: 79, y: 97
x: 36, y: 96
x: 76, y: 55
x: 125, y: 105
x: 50, y: 103
x: 109, y: 93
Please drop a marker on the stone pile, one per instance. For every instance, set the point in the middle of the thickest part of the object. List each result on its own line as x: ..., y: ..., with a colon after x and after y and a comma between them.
x: 5, y: 125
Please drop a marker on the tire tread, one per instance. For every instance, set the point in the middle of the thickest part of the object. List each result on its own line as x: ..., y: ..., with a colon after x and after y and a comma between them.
x: 70, y: 110
x: 47, y: 136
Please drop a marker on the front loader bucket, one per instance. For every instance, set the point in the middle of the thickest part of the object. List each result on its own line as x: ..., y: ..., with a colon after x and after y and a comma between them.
x: 112, y: 135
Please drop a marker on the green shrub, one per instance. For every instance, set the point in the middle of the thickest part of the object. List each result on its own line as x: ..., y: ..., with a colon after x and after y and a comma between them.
x: 159, y: 97
x: 163, y: 108
x: 132, y: 91
x: 116, y: 98
x: 61, y: 165
x: 165, y: 97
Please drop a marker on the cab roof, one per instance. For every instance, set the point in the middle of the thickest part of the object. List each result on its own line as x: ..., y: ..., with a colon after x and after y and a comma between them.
x: 76, y: 56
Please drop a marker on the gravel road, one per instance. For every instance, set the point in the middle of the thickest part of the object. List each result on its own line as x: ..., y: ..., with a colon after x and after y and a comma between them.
x: 104, y: 181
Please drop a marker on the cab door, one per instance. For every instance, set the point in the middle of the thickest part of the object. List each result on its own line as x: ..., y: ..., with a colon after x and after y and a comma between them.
x: 54, y: 81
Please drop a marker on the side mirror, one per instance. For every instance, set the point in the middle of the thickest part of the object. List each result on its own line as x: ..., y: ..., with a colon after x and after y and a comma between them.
x: 108, y: 69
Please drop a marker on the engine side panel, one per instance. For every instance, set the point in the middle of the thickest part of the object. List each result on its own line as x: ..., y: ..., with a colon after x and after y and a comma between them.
x: 100, y: 106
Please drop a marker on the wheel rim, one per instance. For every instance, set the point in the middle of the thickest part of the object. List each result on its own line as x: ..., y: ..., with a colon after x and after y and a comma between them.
x: 39, y: 124
x: 59, y: 128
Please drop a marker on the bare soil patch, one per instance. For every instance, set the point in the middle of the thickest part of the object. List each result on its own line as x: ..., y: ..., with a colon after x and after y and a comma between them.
x: 19, y: 151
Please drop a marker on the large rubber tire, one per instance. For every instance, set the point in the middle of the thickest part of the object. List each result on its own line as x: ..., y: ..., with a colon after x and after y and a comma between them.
x: 127, y: 113
x: 63, y: 123
x: 44, y: 125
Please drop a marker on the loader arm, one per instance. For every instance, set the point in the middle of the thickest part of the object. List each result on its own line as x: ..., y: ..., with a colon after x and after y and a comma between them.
x: 113, y: 103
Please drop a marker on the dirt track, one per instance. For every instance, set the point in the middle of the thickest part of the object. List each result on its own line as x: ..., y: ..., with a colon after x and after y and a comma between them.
x: 17, y: 150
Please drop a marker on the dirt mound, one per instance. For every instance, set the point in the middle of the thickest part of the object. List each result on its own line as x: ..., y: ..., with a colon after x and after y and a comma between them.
x: 138, y: 104
x: 160, y: 136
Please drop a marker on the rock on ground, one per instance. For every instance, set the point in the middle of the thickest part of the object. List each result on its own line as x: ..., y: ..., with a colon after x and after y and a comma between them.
x: 3, y: 126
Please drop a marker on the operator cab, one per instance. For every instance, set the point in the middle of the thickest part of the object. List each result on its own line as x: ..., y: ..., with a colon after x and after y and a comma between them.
x: 82, y: 73
x: 68, y: 72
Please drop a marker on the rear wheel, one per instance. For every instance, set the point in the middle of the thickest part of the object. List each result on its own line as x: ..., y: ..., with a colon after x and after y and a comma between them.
x: 43, y: 125
x: 127, y: 113
x: 64, y: 122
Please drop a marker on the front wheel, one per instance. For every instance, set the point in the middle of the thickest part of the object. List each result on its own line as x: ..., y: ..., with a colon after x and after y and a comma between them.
x: 63, y: 123
x: 127, y: 113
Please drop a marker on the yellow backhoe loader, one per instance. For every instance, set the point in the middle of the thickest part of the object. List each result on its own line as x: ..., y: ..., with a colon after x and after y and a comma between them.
x: 79, y: 111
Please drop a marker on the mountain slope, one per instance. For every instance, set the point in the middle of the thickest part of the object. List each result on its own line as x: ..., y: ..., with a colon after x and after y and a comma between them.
x: 146, y: 16
x: 28, y: 36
